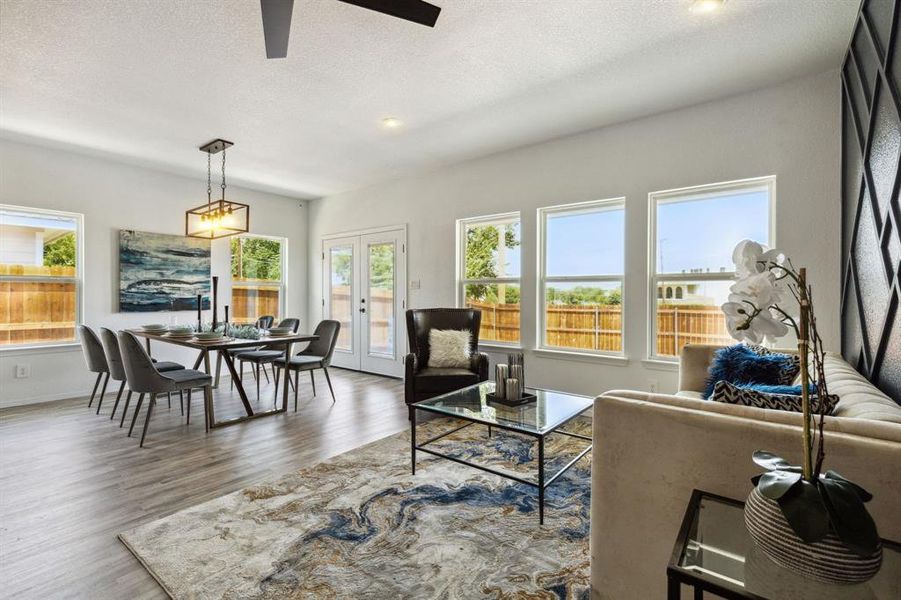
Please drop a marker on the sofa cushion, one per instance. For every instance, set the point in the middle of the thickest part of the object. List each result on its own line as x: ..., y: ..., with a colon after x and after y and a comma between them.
x: 449, y: 348
x: 772, y: 397
x: 433, y: 379
x: 740, y: 364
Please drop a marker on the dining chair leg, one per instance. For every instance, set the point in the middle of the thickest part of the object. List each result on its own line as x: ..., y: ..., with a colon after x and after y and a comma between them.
x: 296, y: 386
x: 118, y: 397
x: 275, y: 376
x: 134, y: 418
x: 125, y: 409
x: 329, y: 380
x: 313, y: 381
x: 257, y: 377
x: 266, y: 374
x: 207, y: 402
x: 94, y: 391
x: 181, y: 401
x: 102, y: 392
x: 169, y: 398
x: 218, y: 367
x: 147, y: 419
x: 189, y: 407
x: 231, y: 380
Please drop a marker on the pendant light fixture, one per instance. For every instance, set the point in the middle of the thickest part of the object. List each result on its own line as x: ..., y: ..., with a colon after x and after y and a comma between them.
x: 217, y: 218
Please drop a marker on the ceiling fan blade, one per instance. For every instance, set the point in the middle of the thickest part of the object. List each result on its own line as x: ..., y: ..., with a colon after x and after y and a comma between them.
x: 276, y: 26
x: 411, y: 10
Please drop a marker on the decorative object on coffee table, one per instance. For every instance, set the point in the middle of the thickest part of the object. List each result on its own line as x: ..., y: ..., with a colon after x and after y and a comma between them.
x: 801, y: 517
x: 509, y: 382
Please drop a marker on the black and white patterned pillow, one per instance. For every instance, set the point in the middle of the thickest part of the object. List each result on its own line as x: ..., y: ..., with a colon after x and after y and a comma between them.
x: 789, y: 372
x: 725, y: 392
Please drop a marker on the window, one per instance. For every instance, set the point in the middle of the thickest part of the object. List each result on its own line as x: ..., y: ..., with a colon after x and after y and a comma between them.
x: 258, y: 280
x: 693, y: 233
x: 40, y: 276
x: 488, y: 274
x: 581, y: 276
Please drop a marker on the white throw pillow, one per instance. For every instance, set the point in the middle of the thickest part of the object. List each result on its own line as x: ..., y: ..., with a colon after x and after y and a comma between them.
x: 449, y: 348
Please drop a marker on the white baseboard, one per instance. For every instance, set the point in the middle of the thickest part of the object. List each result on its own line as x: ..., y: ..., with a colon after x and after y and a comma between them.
x: 42, y: 399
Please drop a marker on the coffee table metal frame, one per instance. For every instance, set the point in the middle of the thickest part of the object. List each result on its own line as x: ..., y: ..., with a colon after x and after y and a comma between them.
x: 543, y: 481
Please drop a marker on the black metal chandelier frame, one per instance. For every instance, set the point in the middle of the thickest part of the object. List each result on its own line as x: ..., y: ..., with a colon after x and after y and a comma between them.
x: 217, y: 218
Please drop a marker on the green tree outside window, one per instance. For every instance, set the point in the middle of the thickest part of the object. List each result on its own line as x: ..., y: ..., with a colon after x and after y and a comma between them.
x: 256, y: 258
x: 60, y: 252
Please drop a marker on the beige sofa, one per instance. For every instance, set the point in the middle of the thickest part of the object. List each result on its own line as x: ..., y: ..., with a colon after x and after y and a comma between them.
x: 651, y: 450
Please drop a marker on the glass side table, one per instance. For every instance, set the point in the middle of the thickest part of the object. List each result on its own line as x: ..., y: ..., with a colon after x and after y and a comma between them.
x: 714, y: 553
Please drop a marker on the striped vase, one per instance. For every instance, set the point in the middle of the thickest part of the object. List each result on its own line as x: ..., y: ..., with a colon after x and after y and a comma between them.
x: 827, y: 560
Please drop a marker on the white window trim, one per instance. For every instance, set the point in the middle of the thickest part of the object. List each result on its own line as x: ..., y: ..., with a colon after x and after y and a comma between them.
x: 283, y: 268
x: 701, y: 191
x: 461, y: 282
x: 78, y: 280
x: 543, y: 279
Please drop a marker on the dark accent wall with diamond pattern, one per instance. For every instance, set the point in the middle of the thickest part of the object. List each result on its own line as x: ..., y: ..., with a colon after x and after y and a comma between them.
x: 871, y: 211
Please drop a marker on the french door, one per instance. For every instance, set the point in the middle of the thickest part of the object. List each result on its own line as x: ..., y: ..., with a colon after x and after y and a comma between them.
x: 365, y: 289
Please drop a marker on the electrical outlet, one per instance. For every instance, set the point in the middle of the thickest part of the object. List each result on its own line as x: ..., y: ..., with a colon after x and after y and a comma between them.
x: 652, y: 386
x: 23, y: 371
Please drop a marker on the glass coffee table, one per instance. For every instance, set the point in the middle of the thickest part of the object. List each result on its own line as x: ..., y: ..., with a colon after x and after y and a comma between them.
x: 538, y: 419
x: 714, y: 553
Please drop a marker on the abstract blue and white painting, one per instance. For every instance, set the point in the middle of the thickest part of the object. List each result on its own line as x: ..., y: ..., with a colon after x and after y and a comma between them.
x: 160, y: 272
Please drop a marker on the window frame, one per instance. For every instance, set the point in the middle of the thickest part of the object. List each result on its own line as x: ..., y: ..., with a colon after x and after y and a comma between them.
x: 78, y: 279
x: 544, y: 279
x: 283, y: 269
x: 461, y: 282
x: 709, y: 190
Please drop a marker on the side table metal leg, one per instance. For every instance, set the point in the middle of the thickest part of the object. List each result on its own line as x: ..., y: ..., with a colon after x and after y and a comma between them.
x: 699, y: 593
x: 673, y: 590
x: 541, y: 481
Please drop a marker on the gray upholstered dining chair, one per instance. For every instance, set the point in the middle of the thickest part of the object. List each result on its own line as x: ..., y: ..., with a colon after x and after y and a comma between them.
x: 95, y: 359
x: 267, y: 354
x: 264, y: 322
x: 317, y: 355
x: 145, y: 379
x: 117, y: 369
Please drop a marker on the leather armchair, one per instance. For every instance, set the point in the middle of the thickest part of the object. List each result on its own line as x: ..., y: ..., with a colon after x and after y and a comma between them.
x: 420, y: 380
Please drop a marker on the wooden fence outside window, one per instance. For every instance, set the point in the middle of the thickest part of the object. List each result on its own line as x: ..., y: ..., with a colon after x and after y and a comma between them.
x: 598, y: 327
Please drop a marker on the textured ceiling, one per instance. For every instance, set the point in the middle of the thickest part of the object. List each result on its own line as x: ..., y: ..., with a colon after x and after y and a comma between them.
x: 150, y: 80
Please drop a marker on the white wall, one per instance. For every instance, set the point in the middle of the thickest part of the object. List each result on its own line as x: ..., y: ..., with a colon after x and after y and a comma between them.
x: 790, y: 130
x: 114, y: 196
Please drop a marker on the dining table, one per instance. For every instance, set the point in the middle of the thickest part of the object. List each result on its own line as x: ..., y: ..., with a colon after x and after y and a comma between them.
x: 223, y: 347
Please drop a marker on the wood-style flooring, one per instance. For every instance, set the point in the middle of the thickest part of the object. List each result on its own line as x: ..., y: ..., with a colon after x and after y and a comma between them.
x: 70, y: 480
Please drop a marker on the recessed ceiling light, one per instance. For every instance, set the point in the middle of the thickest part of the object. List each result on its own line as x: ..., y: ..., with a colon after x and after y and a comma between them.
x: 391, y: 123
x: 706, y: 6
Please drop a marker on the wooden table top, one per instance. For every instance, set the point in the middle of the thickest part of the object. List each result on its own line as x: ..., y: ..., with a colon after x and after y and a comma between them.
x: 225, y: 343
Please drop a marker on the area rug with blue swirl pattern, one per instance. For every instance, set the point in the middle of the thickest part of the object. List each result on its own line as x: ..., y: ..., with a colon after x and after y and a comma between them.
x: 360, y: 525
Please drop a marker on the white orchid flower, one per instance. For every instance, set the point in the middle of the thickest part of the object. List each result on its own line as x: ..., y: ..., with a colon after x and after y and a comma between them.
x: 761, y: 289
x: 769, y: 326
x: 746, y: 322
x: 738, y: 316
x: 751, y: 258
